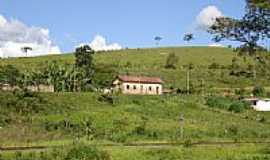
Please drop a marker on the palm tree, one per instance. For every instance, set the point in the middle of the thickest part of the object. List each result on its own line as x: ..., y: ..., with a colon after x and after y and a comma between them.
x: 26, y: 49
x: 188, y: 37
x: 158, y: 39
x: 52, y: 73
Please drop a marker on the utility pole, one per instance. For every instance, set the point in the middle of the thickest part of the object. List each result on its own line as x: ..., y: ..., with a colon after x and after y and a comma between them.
x: 181, y: 122
x: 188, y: 81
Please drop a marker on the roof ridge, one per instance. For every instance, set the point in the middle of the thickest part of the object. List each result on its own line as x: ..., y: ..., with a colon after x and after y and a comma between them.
x: 140, y: 79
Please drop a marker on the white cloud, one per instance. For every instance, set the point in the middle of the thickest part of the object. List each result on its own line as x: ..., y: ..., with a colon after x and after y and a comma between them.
x: 14, y: 35
x: 3, y: 21
x: 207, y: 17
x: 216, y: 45
x: 99, y: 44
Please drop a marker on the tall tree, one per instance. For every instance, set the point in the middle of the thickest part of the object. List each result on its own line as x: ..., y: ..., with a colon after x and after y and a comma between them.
x: 26, y: 49
x: 84, y: 59
x: 84, y: 66
x: 249, y: 30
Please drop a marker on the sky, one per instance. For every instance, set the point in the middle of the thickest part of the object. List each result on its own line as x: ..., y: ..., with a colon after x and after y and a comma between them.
x: 51, y: 26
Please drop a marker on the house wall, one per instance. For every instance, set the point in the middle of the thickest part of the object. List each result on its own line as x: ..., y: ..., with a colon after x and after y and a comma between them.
x: 263, y: 106
x: 141, y: 89
x: 40, y: 88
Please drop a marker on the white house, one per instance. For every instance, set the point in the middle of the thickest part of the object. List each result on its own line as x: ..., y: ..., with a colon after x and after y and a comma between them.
x: 138, y: 85
x: 262, y: 105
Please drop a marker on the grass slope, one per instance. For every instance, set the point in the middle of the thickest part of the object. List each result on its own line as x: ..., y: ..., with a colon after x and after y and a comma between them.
x: 152, y: 61
x: 130, y: 119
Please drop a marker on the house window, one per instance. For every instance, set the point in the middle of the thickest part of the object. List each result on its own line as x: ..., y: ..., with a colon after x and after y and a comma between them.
x: 157, y: 90
x: 150, y: 88
x: 134, y: 87
x: 128, y: 87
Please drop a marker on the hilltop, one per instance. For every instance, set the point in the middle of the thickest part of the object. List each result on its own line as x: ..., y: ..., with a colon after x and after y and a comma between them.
x: 210, y: 65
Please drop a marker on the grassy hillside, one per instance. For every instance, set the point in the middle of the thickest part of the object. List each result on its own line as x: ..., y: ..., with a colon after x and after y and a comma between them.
x: 133, y: 119
x: 125, y: 119
x: 152, y: 62
x: 53, y: 119
x: 151, y: 57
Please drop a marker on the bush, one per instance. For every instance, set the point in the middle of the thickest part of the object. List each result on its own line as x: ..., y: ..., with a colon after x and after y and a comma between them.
x: 238, y: 107
x: 240, y: 92
x: 218, y: 102
x: 171, y: 61
x: 187, y: 143
x: 214, y: 65
x: 258, y: 91
x: 22, y: 102
x: 227, y: 104
x: 106, y: 98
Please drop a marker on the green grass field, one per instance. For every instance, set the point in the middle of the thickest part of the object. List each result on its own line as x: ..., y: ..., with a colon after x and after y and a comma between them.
x: 231, y: 152
x: 132, y: 119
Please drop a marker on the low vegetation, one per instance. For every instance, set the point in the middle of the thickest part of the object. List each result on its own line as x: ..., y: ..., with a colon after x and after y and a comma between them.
x: 227, y: 103
x: 78, y: 152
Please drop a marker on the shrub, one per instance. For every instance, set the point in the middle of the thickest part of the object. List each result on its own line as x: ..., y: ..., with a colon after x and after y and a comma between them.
x: 218, y: 102
x: 214, y: 65
x: 26, y: 102
x: 258, y: 91
x: 187, y: 143
x: 171, y: 61
x: 106, y: 98
x: 240, y: 92
x: 238, y: 107
x: 227, y: 104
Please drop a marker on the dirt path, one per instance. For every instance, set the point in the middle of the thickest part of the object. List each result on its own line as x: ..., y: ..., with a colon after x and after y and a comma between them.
x: 137, y: 145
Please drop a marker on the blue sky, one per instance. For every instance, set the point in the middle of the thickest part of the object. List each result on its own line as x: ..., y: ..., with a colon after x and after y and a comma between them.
x: 130, y: 23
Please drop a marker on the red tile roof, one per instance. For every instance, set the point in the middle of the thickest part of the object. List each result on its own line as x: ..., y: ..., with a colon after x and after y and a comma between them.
x: 140, y: 79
